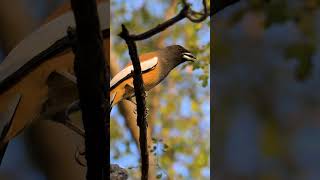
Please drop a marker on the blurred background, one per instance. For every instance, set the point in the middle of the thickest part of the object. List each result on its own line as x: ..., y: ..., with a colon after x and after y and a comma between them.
x: 266, y: 90
x: 178, y: 109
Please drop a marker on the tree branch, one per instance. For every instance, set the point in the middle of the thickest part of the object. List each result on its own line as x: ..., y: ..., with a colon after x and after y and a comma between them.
x: 191, y: 14
x: 93, y: 84
x: 140, y: 98
x: 161, y: 27
x: 185, y: 12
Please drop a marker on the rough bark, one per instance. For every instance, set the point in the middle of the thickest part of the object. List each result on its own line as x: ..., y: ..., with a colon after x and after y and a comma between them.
x: 140, y: 95
x: 93, y: 84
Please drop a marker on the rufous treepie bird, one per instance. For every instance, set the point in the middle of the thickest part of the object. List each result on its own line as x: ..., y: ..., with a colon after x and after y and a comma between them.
x: 155, y: 66
x: 36, y: 77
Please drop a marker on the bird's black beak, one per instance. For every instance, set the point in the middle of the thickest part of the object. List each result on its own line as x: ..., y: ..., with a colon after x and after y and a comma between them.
x: 188, y: 57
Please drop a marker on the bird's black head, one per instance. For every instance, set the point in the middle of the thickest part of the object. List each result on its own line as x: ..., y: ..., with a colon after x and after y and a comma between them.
x: 176, y: 55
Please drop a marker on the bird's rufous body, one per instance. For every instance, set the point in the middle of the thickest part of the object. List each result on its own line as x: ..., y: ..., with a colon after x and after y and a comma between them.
x: 148, y: 84
x: 155, y: 66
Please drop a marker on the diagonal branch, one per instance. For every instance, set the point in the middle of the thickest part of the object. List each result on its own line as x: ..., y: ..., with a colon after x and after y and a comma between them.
x: 162, y: 26
x: 185, y: 12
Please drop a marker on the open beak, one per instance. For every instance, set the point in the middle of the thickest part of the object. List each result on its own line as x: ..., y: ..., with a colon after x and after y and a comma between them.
x: 188, y: 57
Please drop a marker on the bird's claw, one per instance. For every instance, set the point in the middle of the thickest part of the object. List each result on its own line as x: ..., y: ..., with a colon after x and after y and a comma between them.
x: 74, y: 106
x: 78, y: 156
x: 68, y: 123
x: 130, y: 99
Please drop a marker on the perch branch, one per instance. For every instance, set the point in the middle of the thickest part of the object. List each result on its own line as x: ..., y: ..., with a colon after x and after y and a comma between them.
x: 140, y: 95
x: 91, y: 75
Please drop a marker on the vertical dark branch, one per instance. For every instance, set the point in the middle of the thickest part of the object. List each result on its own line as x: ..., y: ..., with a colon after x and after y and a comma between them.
x: 140, y: 99
x: 93, y: 85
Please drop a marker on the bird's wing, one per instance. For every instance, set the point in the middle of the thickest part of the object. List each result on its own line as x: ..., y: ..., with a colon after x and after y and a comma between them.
x: 126, y: 72
x: 38, y: 42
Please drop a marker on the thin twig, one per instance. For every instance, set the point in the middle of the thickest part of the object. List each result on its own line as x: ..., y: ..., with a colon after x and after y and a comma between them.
x: 191, y: 14
x: 161, y: 27
x: 185, y: 12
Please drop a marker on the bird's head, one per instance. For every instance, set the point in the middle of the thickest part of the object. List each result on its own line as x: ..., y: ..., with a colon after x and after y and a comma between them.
x: 176, y: 55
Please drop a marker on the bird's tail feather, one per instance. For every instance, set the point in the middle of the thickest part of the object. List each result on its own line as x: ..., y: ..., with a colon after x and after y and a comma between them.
x: 6, y: 119
x: 3, y: 151
x: 3, y: 144
x: 112, y: 96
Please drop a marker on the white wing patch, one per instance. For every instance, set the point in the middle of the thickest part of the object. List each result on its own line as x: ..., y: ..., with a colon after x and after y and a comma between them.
x: 145, y: 65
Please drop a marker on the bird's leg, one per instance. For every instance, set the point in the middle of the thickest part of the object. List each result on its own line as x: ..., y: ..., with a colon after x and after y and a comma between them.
x: 130, y: 99
x: 75, y: 106
x: 58, y: 82
x: 68, y: 123
x: 62, y: 117
x: 78, y: 155
x: 129, y: 91
x: 135, y: 103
